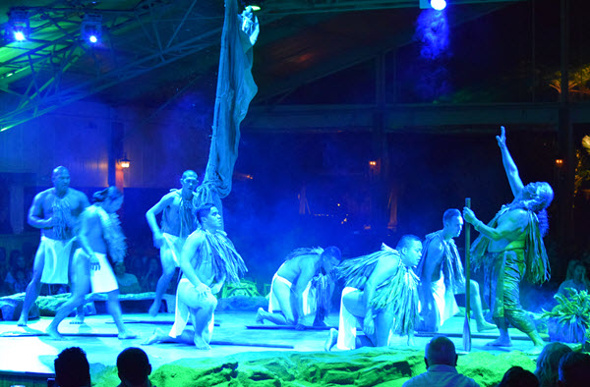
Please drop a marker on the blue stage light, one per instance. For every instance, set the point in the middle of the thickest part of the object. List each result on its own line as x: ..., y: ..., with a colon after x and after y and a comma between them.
x: 17, y: 29
x: 92, y: 39
x: 19, y: 36
x: 438, y: 5
x: 91, y: 28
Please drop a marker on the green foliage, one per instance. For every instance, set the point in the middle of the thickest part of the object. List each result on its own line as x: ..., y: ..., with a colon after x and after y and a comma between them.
x: 573, y: 308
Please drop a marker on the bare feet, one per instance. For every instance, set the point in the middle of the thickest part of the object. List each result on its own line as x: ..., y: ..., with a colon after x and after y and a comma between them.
x: 155, y: 337
x: 485, y: 326
x: 54, y: 334
x: 331, y: 341
x: 260, y: 316
x: 22, y: 321
x: 500, y: 342
x: 201, y: 344
x: 78, y: 320
x: 125, y: 335
x: 154, y: 309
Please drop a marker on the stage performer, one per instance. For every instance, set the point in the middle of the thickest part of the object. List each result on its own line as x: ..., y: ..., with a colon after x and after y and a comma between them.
x: 100, y: 234
x: 292, y: 286
x: 208, y: 260
x: 511, y: 248
x: 55, y: 211
x: 381, y: 294
x: 442, y: 276
x: 177, y: 224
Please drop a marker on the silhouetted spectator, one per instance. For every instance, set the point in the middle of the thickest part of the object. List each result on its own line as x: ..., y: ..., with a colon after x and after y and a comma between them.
x: 575, y: 278
x: 72, y: 368
x: 548, y: 363
x: 441, y: 360
x: 519, y: 377
x: 17, y: 264
x: 134, y: 367
x: 128, y: 283
x: 574, y: 370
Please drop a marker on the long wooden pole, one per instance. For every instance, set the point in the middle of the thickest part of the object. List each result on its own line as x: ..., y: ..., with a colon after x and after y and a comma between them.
x: 466, y: 326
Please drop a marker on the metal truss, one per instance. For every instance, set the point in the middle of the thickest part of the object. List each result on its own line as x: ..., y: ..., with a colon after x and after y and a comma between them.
x: 55, y: 71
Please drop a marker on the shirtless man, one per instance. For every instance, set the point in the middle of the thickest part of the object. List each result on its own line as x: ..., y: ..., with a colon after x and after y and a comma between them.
x: 381, y: 295
x: 208, y: 260
x: 100, y: 232
x: 511, y: 246
x: 177, y: 224
x: 55, y: 212
x: 441, y: 277
x: 291, y: 283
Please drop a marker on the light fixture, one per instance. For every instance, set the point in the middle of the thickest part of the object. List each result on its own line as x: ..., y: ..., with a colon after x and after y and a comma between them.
x: 437, y: 5
x: 18, y: 28
x: 91, y: 28
x: 559, y: 162
x: 125, y: 163
x: 256, y: 5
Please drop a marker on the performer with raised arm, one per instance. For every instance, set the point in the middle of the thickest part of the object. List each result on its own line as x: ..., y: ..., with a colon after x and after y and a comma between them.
x: 177, y: 224
x: 442, y: 276
x: 100, y: 234
x: 208, y: 260
x: 55, y: 211
x: 511, y: 249
x: 381, y: 295
x: 292, y: 283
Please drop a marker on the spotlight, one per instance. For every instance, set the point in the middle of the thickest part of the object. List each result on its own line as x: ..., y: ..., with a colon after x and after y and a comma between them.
x: 17, y: 28
x: 91, y: 28
x: 125, y: 163
x: 256, y: 5
x: 437, y: 5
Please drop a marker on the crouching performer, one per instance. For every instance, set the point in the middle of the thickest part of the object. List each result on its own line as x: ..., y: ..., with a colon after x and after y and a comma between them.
x: 100, y: 233
x: 208, y: 260
x: 381, y: 294
x: 301, y: 281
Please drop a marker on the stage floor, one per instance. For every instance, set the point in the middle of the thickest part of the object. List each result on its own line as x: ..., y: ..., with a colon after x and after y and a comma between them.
x: 97, y: 337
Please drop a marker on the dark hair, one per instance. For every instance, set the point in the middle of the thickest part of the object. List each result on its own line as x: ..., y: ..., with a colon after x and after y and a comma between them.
x: 133, y: 365
x: 450, y: 214
x: 203, y: 211
x: 441, y: 350
x: 519, y: 377
x: 333, y: 251
x: 111, y: 193
x: 548, y: 363
x: 72, y: 368
x: 189, y: 172
x: 574, y: 369
x: 406, y: 240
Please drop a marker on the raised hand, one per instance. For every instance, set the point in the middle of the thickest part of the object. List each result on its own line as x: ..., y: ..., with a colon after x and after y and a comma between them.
x: 502, y: 138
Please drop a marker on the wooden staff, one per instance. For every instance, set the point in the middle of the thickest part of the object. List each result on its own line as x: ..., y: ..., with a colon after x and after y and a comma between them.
x: 466, y: 327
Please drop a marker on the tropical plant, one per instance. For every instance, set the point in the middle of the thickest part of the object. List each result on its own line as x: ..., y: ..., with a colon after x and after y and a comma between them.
x: 572, y: 313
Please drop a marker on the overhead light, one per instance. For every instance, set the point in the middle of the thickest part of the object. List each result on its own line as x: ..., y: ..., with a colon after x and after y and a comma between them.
x: 125, y: 163
x: 17, y: 28
x: 437, y: 5
x: 91, y: 28
x: 255, y: 5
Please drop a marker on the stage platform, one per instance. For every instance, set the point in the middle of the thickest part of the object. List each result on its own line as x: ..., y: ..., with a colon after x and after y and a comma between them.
x: 27, y: 355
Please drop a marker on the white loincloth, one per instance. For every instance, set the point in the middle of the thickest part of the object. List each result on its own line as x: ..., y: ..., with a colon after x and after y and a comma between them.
x: 182, y: 313
x: 102, y: 280
x: 173, y: 245
x: 56, y: 254
x: 309, y: 297
x: 445, y: 300
x: 346, y: 324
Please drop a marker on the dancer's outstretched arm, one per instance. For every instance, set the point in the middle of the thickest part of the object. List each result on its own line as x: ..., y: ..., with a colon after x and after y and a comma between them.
x: 509, y: 165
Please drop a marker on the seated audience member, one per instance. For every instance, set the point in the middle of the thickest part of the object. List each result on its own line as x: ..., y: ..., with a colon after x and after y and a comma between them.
x: 133, y: 367
x: 575, y: 278
x: 548, y: 363
x: 574, y: 370
x: 441, y: 359
x: 519, y: 377
x: 17, y: 273
x: 127, y: 282
x: 72, y: 368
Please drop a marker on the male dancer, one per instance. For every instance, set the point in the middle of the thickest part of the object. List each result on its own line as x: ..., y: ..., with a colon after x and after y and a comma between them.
x: 512, y: 244
x: 441, y: 277
x: 55, y: 211
x: 177, y: 224
x: 292, y: 282
x: 381, y: 294
x: 208, y: 259
x: 100, y: 233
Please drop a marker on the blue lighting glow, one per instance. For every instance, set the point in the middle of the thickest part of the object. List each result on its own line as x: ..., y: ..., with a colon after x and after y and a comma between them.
x: 438, y: 5
x: 19, y: 36
x: 92, y: 39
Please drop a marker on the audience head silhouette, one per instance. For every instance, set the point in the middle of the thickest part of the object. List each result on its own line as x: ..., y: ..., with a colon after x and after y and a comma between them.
x: 72, y: 368
x: 134, y: 368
